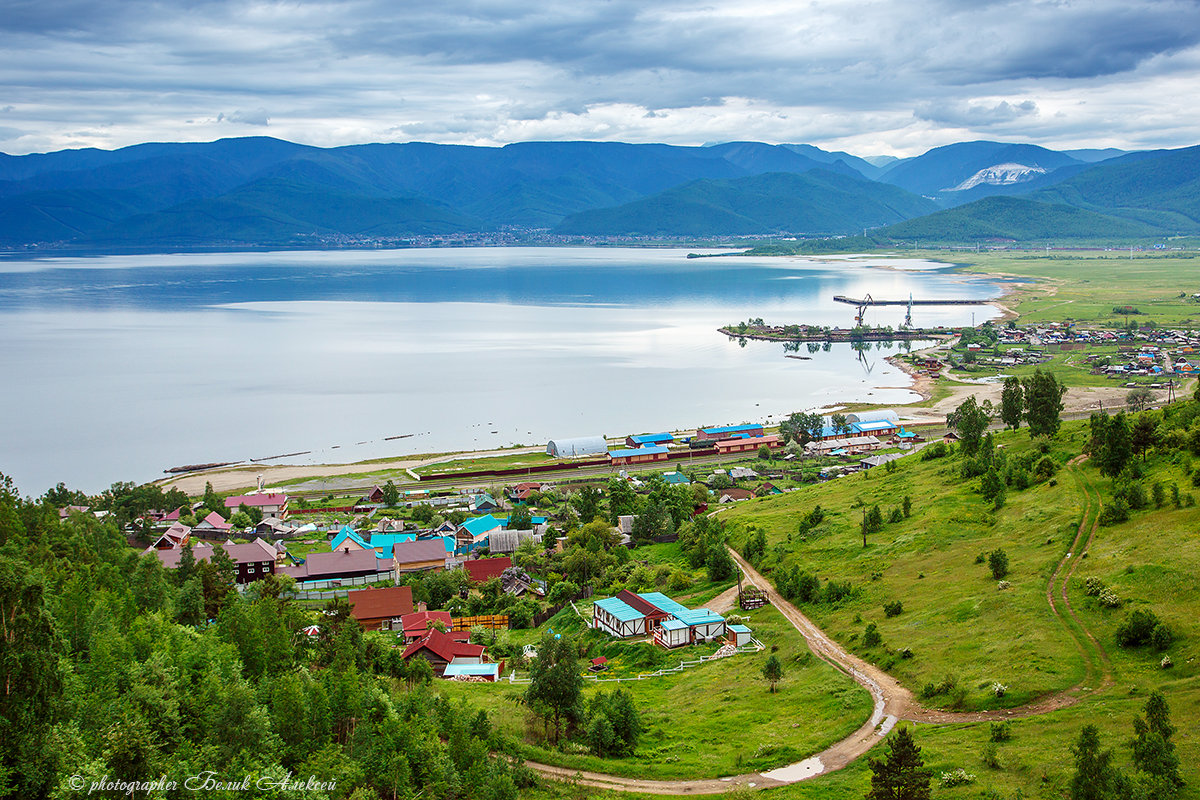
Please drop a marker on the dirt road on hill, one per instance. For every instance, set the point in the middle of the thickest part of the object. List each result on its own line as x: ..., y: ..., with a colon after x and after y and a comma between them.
x: 892, y: 702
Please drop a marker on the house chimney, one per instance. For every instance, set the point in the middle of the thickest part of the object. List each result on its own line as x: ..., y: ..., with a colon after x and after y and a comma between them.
x: 421, y: 606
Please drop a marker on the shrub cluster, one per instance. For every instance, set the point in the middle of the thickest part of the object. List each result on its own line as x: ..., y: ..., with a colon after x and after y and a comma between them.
x: 1142, y: 627
x: 893, y: 609
x: 957, y: 777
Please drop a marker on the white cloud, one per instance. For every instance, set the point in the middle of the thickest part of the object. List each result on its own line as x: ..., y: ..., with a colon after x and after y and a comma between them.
x: 864, y: 76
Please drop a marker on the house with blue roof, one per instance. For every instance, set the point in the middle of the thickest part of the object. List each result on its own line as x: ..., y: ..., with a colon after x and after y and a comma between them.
x: 474, y: 532
x: 729, y: 432
x: 668, y: 622
x: 676, y: 478
x: 644, y: 439
x: 348, y: 540
x: 483, y: 503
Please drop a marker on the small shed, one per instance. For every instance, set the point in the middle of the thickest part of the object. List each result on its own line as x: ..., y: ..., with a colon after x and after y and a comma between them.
x: 739, y: 635
x: 599, y: 664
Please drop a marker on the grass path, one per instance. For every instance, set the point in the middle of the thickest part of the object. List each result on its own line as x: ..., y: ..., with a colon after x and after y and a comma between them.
x: 893, y: 702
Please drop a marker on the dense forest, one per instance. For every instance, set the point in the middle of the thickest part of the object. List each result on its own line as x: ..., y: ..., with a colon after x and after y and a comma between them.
x: 116, y: 672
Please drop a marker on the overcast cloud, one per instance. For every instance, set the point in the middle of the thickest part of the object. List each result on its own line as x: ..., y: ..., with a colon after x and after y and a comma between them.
x: 868, y: 77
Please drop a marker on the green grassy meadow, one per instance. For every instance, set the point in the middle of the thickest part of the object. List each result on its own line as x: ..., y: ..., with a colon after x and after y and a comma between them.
x: 712, y: 720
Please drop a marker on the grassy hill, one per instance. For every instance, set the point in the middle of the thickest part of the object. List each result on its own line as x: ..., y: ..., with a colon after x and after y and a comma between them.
x: 966, y: 634
x: 1160, y: 188
x: 1015, y: 218
x: 819, y: 201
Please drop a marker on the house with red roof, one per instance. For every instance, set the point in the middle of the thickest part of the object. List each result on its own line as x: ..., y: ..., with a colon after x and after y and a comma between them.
x: 381, y: 609
x: 270, y: 504
x: 441, y: 650
x: 480, y: 569
x: 419, y: 623
x: 175, y: 536
x: 213, y: 523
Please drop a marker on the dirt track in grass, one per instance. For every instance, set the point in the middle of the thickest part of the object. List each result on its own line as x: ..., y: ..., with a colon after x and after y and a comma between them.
x: 893, y: 702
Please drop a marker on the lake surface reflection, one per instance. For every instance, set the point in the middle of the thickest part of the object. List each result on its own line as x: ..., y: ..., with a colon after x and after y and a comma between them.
x: 119, y: 366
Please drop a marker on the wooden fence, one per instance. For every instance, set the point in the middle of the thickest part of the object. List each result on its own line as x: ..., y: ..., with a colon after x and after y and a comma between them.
x: 541, y: 617
x: 725, y: 652
x: 492, y: 622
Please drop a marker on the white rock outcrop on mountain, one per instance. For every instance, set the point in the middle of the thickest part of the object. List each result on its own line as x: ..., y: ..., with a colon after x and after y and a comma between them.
x: 999, y: 175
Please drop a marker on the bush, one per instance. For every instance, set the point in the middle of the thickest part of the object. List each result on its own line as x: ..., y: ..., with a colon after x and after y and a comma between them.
x: 935, y: 450
x: 1137, y: 628
x: 1045, y: 468
x: 999, y: 689
x: 1093, y: 586
x: 958, y: 777
x: 836, y: 592
x: 1001, y: 731
x: 1109, y: 599
x: 1161, y: 637
x: 1115, y: 512
x: 998, y: 562
x: 871, y: 637
x: 897, y: 515
x: 905, y: 652
x: 990, y: 756
x: 1166, y: 663
x: 893, y: 609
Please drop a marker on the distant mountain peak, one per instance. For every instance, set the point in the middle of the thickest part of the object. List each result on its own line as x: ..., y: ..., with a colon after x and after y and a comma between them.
x: 999, y: 175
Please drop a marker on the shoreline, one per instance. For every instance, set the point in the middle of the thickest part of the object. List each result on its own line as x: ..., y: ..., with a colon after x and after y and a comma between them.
x: 244, y: 473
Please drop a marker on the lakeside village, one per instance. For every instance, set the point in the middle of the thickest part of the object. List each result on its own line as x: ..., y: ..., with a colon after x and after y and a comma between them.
x: 990, y: 349
x: 444, y: 574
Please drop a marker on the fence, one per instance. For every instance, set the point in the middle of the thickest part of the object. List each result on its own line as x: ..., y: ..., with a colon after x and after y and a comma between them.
x: 478, y: 473
x: 541, y: 617
x: 318, y: 590
x: 493, y: 622
x: 724, y: 652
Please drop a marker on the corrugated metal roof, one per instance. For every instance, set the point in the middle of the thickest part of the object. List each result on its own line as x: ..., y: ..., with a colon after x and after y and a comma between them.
x: 663, y: 603
x: 700, y: 616
x: 578, y: 446
x: 673, y: 625
x: 484, y: 670
x: 739, y: 629
x: 652, y: 438
x: 640, y: 451
x: 733, y: 428
x: 619, y: 609
x: 478, y: 525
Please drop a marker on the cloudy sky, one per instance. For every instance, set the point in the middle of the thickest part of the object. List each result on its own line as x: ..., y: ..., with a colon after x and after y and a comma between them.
x: 868, y: 76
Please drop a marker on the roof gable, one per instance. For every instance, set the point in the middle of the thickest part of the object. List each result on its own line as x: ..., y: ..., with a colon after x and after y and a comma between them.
x: 394, y: 601
x: 480, y: 569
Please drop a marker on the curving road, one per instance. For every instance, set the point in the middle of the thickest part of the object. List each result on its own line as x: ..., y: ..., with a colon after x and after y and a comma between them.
x: 893, y: 702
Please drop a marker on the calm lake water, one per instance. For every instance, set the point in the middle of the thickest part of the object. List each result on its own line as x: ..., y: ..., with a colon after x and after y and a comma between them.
x: 117, y: 367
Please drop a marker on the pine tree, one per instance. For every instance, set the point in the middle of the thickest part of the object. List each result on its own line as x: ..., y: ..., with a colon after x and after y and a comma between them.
x: 1095, y: 777
x: 1153, y: 750
x: 901, y: 774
